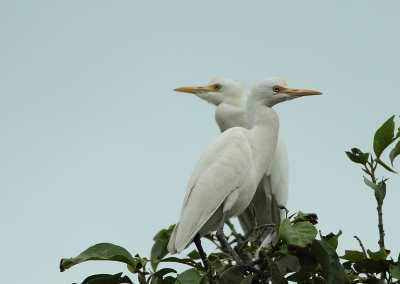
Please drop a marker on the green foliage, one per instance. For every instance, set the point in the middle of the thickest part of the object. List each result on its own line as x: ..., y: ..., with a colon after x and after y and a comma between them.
x: 331, y: 239
x: 159, y: 249
x: 107, y: 279
x: 357, y: 156
x: 384, y: 136
x: 297, y: 235
x: 234, y: 274
x: 297, y: 251
x: 191, y: 276
x: 364, y: 266
x: 310, y: 217
x: 395, y: 151
x: 102, y: 251
x: 329, y: 261
x: 395, y: 269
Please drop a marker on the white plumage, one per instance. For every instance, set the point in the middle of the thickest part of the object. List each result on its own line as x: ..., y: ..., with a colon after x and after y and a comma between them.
x: 227, y: 96
x: 227, y: 174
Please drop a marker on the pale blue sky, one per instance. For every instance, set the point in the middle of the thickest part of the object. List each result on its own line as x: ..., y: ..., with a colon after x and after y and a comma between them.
x: 96, y: 147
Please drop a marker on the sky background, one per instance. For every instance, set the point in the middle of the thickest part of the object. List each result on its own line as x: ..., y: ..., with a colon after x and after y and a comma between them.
x: 96, y: 147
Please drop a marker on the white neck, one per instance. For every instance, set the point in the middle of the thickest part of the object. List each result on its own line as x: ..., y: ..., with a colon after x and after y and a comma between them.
x: 264, y: 134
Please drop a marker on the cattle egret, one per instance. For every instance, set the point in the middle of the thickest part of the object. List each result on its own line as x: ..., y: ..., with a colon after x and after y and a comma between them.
x: 225, y: 178
x: 227, y: 96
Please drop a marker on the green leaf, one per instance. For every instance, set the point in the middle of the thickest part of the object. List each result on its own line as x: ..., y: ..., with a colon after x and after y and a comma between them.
x: 361, y: 158
x: 308, y: 261
x: 331, y: 239
x: 283, y: 249
x: 395, y: 151
x: 353, y: 255
x: 370, y: 266
x: 248, y: 279
x: 191, y: 276
x: 332, y: 269
x: 298, y: 277
x: 168, y: 231
x: 277, y: 275
x: 288, y: 261
x: 384, y: 136
x: 194, y: 254
x: 169, y: 280
x: 214, y: 260
x: 186, y: 261
x: 298, y: 235
x: 340, y: 275
x: 159, y: 249
x: 379, y: 161
x: 232, y: 275
x: 160, y: 273
x: 310, y: 217
x: 102, y: 251
x: 324, y: 259
x: 250, y: 249
x: 381, y: 254
x: 107, y: 279
x: 394, y: 271
x: 347, y: 264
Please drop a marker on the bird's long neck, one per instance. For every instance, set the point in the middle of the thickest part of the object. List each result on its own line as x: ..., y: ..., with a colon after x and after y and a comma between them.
x: 256, y: 102
x: 230, y: 115
x: 264, y: 134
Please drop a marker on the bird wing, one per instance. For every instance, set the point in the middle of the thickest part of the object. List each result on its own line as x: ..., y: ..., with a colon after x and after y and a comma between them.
x: 278, y: 172
x: 221, y: 170
x: 272, y: 190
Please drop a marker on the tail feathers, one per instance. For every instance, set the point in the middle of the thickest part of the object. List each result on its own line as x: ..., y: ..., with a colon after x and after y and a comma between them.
x: 175, y: 246
x: 171, y: 244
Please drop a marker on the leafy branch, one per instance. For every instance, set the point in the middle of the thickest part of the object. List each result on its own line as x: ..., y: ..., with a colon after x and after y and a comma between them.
x: 383, y: 138
x: 299, y: 255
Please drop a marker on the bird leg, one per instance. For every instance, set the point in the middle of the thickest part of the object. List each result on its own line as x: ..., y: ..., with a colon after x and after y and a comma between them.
x: 203, y: 255
x: 224, y: 242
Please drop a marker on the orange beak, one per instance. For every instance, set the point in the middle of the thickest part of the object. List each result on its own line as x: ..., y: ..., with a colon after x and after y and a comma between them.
x: 193, y: 90
x: 300, y: 92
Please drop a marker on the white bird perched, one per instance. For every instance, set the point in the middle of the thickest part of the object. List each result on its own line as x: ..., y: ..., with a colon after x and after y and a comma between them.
x: 226, y: 177
x: 227, y: 96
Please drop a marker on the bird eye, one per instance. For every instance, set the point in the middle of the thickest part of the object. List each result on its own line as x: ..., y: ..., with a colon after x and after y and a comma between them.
x: 217, y: 87
x: 276, y: 89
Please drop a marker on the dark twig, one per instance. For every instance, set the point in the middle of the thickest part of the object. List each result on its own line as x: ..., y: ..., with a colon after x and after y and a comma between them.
x: 238, y: 237
x: 362, y: 247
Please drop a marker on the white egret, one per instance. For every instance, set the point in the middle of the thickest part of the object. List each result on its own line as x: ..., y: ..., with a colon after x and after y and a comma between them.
x: 225, y: 178
x: 227, y: 96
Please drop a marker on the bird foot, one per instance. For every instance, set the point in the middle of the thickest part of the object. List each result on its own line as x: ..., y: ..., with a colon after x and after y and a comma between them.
x: 224, y: 242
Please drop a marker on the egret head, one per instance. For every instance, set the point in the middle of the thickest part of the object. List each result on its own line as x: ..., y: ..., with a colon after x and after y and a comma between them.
x: 219, y: 90
x: 275, y: 90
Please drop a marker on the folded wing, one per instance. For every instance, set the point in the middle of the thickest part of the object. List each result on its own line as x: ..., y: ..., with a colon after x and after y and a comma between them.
x: 215, y: 185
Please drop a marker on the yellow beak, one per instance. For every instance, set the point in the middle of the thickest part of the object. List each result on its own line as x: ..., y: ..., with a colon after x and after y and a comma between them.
x: 193, y: 90
x: 300, y: 92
